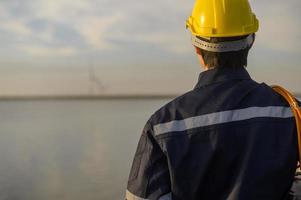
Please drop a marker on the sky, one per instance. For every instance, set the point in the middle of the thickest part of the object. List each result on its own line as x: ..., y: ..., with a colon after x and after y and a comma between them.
x: 83, y: 47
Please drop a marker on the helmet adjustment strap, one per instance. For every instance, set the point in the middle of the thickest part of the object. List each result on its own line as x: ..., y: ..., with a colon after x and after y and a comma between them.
x: 223, y: 46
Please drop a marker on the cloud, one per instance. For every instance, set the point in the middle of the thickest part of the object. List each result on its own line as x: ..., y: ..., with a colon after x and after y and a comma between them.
x: 94, y: 30
x: 95, y: 25
x: 160, y: 24
x: 81, y: 16
x: 35, y: 26
x: 48, y: 51
x: 279, y: 25
x: 16, y: 27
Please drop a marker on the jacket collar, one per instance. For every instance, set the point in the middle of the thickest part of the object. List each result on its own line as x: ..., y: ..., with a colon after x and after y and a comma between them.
x: 216, y: 75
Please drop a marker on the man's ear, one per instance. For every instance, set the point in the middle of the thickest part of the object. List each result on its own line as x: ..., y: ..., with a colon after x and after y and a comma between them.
x: 200, y: 57
x: 197, y: 50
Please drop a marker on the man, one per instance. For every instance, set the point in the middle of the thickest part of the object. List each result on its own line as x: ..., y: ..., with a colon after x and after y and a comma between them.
x: 228, y: 138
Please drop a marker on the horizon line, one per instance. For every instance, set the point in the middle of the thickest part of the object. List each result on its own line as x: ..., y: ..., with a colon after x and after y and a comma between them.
x: 86, y: 97
x: 95, y: 97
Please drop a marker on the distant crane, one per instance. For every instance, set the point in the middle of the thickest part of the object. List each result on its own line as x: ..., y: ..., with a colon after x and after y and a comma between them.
x: 96, y: 85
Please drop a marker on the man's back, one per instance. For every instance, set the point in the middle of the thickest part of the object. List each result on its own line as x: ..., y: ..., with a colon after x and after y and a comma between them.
x: 229, y: 138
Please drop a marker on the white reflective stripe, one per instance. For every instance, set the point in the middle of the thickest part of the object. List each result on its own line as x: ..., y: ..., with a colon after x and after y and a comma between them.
x: 223, y: 117
x: 222, y: 46
x: 131, y: 196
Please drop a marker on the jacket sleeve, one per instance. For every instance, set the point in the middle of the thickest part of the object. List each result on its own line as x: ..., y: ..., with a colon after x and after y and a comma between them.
x: 149, y: 177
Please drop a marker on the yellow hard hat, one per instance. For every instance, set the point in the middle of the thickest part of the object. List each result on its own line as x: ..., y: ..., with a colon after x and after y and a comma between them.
x: 222, y: 18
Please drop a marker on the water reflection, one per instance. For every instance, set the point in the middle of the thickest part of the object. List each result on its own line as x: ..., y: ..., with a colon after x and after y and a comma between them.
x: 69, y: 149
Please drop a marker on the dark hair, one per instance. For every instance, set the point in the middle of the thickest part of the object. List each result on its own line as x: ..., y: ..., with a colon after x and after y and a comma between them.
x: 232, y: 59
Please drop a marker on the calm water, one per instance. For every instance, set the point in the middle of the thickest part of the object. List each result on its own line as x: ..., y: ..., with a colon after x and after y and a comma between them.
x: 69, y: 149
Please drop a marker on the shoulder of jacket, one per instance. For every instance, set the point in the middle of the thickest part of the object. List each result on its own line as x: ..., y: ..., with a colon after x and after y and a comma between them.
x: 166, y: 112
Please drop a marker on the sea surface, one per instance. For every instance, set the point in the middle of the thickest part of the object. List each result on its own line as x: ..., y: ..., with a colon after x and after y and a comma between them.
x: 69, y: 149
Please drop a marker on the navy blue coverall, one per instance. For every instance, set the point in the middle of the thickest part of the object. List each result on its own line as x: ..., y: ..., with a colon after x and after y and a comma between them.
x: 229, y: 138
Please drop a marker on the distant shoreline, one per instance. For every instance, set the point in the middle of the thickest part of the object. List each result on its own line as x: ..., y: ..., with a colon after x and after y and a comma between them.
x: 85, y: 97
x: 92, y: 97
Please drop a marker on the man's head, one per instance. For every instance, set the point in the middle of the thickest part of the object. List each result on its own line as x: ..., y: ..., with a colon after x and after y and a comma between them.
x: 223, y: 31
x: 230, y: 59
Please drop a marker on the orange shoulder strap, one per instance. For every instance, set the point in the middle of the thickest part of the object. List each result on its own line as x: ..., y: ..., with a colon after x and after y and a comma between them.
x: 295, y: 109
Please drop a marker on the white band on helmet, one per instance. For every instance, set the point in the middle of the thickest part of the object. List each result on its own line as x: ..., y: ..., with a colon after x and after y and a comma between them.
x: 223, y: 46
